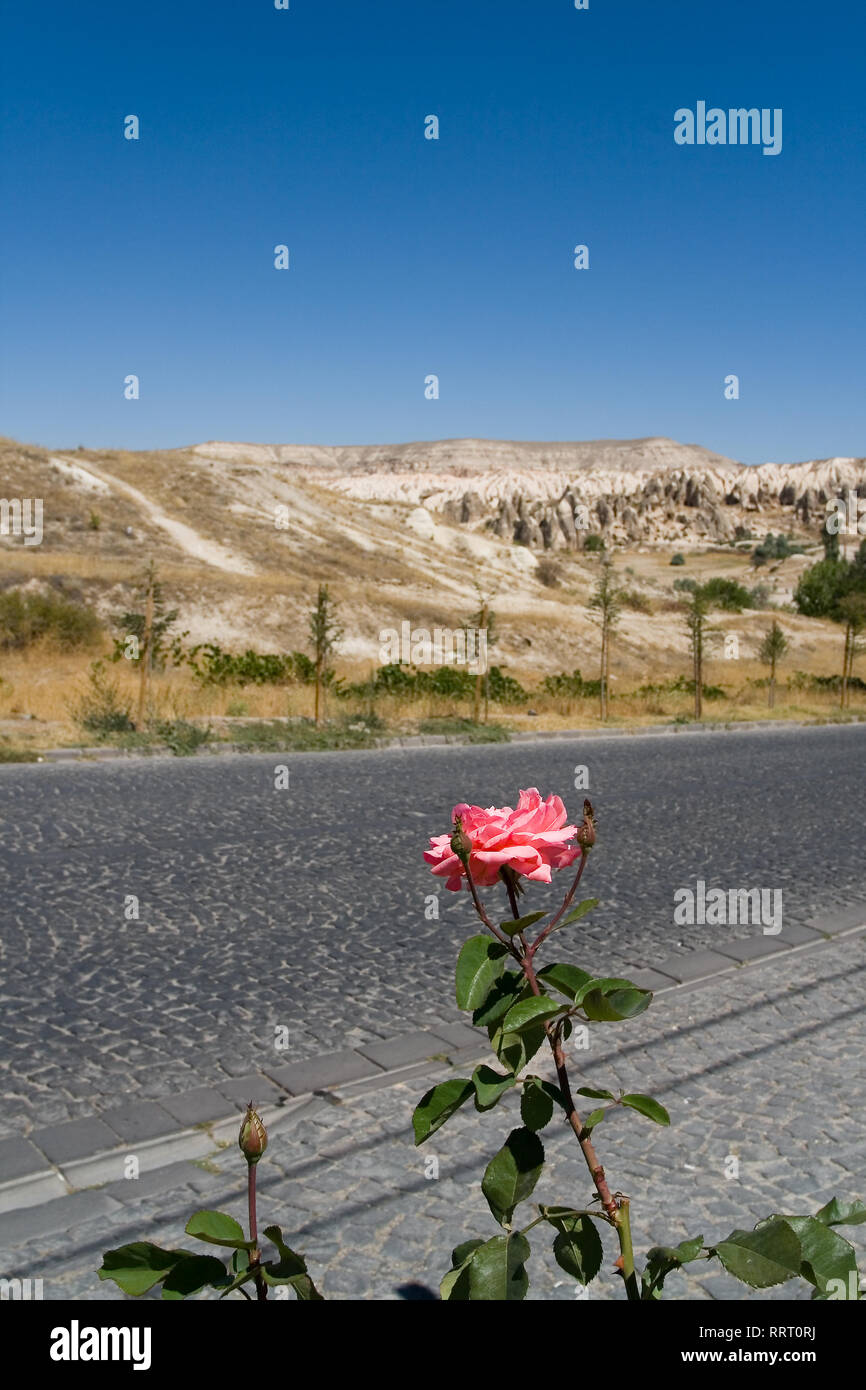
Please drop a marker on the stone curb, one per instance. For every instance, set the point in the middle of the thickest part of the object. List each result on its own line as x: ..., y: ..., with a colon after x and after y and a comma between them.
x: 57, y: 1162
x: 59, y: 755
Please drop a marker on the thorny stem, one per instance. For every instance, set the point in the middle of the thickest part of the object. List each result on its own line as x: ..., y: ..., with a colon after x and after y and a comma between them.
x: 255, y: 1253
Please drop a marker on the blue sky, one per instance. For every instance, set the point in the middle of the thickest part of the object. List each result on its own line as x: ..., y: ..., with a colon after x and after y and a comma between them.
x: 411, y: 257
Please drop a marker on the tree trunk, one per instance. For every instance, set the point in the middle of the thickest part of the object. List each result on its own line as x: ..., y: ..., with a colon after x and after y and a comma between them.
x: 145, y: 659
x: 772, y: 696
x: 318, y: 688
x: 845, y: 663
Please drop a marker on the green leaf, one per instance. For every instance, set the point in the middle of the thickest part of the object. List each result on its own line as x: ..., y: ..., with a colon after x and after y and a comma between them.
x: 489, y: 1086
x: 291, y: 1268
x: 645, y: 1105
x: 764, y: 1257
x: 519, y: 924
x: 528, y: 1012
x: 662, y: 1259
x: 566, y: 978
x: 243, y: 1276
x: 294, y: 1264
x: 481, y: 961
x: 502, y: 994
x: 537, y: 1102
x: 577, y: 1248
x: 218, y: 1229
x: 837, y: 1213
x: 594, y: 1118
x: 826, y: 1254
x: 514, y: 1050
x: 454, y: 1288
x: 192, y: 1274
x: 438, y: 1105
x: 595, y: 1095
x: 511, y: 1175
x: 137, y: 1267
x: 576, y: 913
x: 460, y: 1254
x: 497, y: 1270
x: 611, y: 1001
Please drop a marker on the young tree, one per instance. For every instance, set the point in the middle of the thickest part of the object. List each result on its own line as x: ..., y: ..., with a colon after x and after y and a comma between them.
x: 134, y: 639
x: 606, y: 601
x: 836, y: 588
x: 325, y: 633
x: 773, y: 648
x: 852, y: 612
x: 484, y: 620
x: 696, y: 609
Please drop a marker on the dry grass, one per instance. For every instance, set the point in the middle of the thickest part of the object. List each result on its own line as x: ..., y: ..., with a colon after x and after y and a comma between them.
x: 40, y: 688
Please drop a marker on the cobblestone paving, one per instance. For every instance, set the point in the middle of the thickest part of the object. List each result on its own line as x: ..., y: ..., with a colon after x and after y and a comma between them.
x: 305, y: 908
x: 765, y: 1066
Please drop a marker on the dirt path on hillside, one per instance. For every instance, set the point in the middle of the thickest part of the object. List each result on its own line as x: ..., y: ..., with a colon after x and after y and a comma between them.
x: 197, y: 546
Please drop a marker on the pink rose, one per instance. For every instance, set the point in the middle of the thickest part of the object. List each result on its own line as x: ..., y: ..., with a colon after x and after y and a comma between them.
x: 532, y: 840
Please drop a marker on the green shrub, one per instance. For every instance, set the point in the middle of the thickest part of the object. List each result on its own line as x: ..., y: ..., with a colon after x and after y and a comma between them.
x: 633, y: 598
x: 213, y: 666
x: 100, y: 710
x: 759, y: 596
x: 27, y: 618
x: 681, y: 685
x: 593, y: 543
x: 181, y: 737
x: 8, y: 754
x: 505, y: 690
x: 678, y: 559
x: 726, y: 594
x: 549, y: 573
x: 775, y: 548
x: 565, y: 686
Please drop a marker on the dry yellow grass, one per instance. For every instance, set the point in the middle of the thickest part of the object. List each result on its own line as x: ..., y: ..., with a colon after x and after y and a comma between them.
x: 40, y: 689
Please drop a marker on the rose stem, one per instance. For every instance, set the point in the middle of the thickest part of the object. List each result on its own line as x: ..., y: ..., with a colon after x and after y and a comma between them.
x: 255, y: 1255
x: 617, y: 1213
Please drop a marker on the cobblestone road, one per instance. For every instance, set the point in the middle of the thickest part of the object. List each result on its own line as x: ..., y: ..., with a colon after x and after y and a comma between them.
x: 304, y: 908
x: 765, y: 1066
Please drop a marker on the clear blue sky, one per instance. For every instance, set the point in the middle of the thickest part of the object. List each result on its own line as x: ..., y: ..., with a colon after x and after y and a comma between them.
x: 409, y: 256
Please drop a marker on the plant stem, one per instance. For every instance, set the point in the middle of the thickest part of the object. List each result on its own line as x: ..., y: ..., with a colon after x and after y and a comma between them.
x: 583, y: 1139
x: 623, y: 1230
x: 565, y: 906
x: 480, y: 909
x: 255, y: 1253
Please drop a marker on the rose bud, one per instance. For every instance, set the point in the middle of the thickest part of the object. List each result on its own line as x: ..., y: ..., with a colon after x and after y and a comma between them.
x: 253, y: 1137
x: 461, y: 844
x: 586, y: 833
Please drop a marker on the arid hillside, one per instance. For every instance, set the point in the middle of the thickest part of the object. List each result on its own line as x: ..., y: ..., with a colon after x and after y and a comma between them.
x: 242, y: 534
